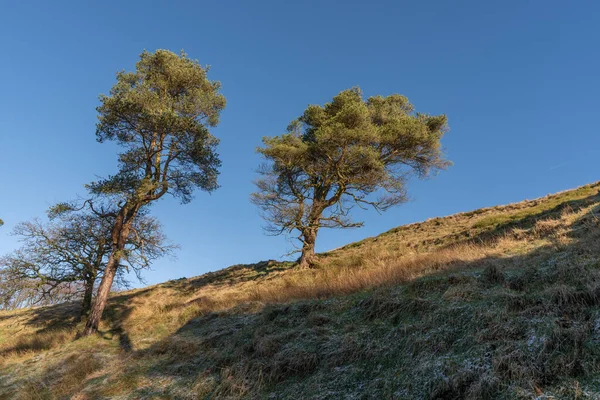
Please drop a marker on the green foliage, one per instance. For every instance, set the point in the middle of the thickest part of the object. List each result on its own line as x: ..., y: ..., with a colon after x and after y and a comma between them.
x: 160, y: 114
x: 337, y: 155
x: 59, y: 209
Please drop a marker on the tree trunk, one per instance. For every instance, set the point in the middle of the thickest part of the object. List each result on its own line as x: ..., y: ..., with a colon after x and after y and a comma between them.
x: 308, y: 258
x: 87, y: 296
x: 119, y: 235
x: 102, y: 296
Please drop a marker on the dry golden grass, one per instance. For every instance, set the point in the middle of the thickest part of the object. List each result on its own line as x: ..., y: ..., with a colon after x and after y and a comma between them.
x: 64, y: 379
x: 375, y: 269
x: 146, y: 328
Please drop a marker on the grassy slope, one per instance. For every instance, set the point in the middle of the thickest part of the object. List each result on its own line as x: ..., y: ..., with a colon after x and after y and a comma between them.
x: 501, y: 302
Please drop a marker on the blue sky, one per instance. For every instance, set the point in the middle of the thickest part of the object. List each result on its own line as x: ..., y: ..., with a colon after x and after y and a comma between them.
x: 518, y: 80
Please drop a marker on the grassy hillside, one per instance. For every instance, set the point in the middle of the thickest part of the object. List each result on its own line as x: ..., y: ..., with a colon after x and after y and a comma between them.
x: 502, y: 302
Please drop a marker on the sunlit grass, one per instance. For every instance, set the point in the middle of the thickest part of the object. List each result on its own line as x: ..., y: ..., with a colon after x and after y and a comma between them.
x: 449, y: 308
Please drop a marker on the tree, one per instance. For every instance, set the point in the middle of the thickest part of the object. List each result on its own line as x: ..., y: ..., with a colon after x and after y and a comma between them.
x: 61, y: 260
x: 160, y: 115
x: 347, y: 153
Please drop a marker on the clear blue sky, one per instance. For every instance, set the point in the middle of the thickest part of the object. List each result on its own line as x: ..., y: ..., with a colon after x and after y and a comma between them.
x: 519, y: 81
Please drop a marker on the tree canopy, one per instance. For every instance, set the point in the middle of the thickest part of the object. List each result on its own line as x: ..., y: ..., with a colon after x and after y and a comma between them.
x: 349, y: 152
x: 160, y: 115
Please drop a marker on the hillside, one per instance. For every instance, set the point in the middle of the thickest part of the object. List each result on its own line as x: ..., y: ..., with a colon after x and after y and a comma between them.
x: 502, y: 302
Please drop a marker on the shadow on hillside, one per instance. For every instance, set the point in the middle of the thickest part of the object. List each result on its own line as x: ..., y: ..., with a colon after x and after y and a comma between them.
x: 47, y: 318
x: 59, y: 314
x: 118, y: 309
x: 501, y: 221
x: 283, y: 342
x: 54, y: 320
x: 228, y: 276
x: 239, y: 350
x: 51, y: 324
x: 496, y: 231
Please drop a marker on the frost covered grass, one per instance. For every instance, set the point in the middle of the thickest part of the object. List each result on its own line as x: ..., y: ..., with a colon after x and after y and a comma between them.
x: 449, y: 308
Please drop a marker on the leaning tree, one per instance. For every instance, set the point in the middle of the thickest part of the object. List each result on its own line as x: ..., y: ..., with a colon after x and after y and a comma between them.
x: 62, y: 259
x: 350, y: 152
x: 159, y: 114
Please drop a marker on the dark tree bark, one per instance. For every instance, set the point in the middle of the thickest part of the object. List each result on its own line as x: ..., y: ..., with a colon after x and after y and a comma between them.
x: 93, y: 321
x: 86, y: 304
x: 308, y: 258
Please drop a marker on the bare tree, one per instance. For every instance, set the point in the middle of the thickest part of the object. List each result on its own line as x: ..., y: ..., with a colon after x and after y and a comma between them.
x: 62, y: 259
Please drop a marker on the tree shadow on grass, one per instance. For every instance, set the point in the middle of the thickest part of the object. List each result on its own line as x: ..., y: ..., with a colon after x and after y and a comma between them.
x: 55, y: 324
x: 493, y: 224
x: 51, y: 319
x: 230, y: 275
x: 523, y: 219
x: 243, y: 351
x: 118, y: 310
